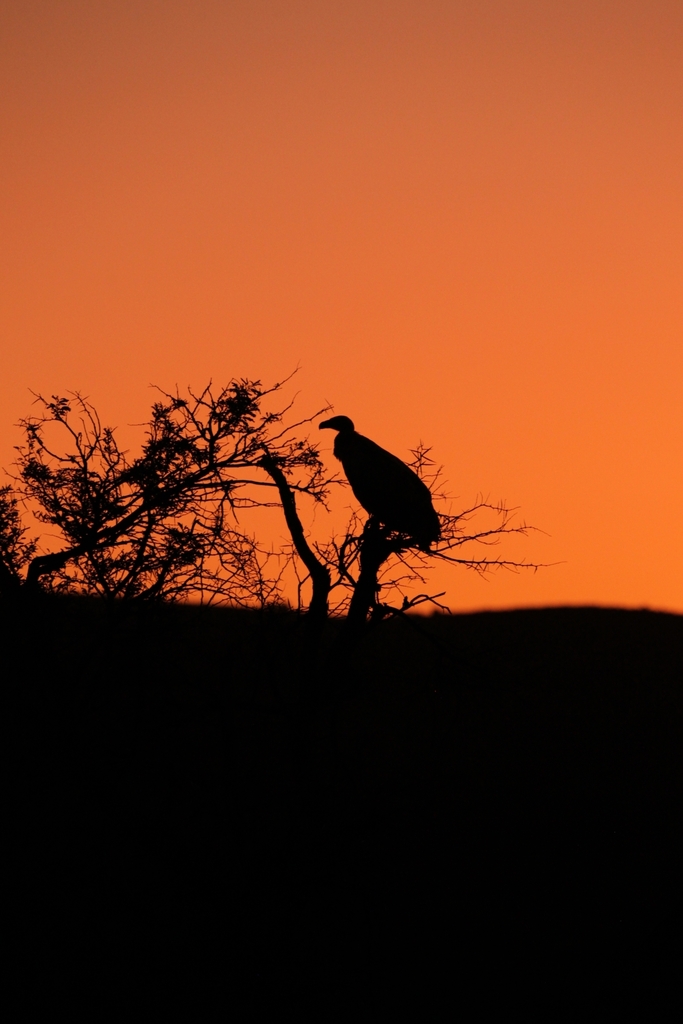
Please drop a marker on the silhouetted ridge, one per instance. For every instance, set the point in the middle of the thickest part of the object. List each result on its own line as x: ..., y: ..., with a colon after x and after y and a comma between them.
x: 468, y: 780
x: 385, y: 486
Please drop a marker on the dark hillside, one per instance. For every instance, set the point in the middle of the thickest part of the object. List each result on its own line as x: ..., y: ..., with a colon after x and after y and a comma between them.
x: 191, y: 776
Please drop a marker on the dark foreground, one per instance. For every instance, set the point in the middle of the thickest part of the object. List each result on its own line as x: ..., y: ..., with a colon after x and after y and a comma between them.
x: 188, y: 784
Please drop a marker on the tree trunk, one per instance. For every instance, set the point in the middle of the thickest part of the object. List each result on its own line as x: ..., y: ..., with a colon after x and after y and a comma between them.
x: 320, y: 575
x: 375, y: 549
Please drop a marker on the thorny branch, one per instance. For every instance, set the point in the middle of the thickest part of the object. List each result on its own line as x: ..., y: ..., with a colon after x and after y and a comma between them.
x: 403, y: 565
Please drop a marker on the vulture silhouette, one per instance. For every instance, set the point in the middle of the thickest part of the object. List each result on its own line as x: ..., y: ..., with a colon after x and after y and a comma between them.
x: 386, y: 488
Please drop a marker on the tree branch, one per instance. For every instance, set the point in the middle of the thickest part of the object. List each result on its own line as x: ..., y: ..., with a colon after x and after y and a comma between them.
x: 320, y: 575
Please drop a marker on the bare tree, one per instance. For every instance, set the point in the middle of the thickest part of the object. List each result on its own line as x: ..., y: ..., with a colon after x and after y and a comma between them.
x: 372, y: 569
x: 166, y: 524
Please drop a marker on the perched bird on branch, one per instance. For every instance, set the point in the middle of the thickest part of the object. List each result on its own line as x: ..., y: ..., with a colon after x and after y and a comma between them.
x: 385, y: 486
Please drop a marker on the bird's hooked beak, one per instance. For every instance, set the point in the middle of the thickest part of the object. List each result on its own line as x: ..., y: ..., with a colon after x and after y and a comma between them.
x: 337, y: 423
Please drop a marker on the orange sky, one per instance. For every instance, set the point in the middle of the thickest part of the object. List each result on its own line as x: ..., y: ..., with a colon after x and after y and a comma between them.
x: 463, y: 218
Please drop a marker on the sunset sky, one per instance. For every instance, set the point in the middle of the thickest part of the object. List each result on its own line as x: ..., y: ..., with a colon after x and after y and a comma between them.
x: 463, y: 220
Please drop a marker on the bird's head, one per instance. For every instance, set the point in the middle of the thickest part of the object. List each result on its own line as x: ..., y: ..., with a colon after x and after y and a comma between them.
x: 341, y: 423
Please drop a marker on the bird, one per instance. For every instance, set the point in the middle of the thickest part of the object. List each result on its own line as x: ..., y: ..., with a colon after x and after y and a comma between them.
x: 384, y: 485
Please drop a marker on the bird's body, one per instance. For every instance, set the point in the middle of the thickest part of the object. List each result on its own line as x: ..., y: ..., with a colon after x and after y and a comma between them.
x: 385, y: 486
